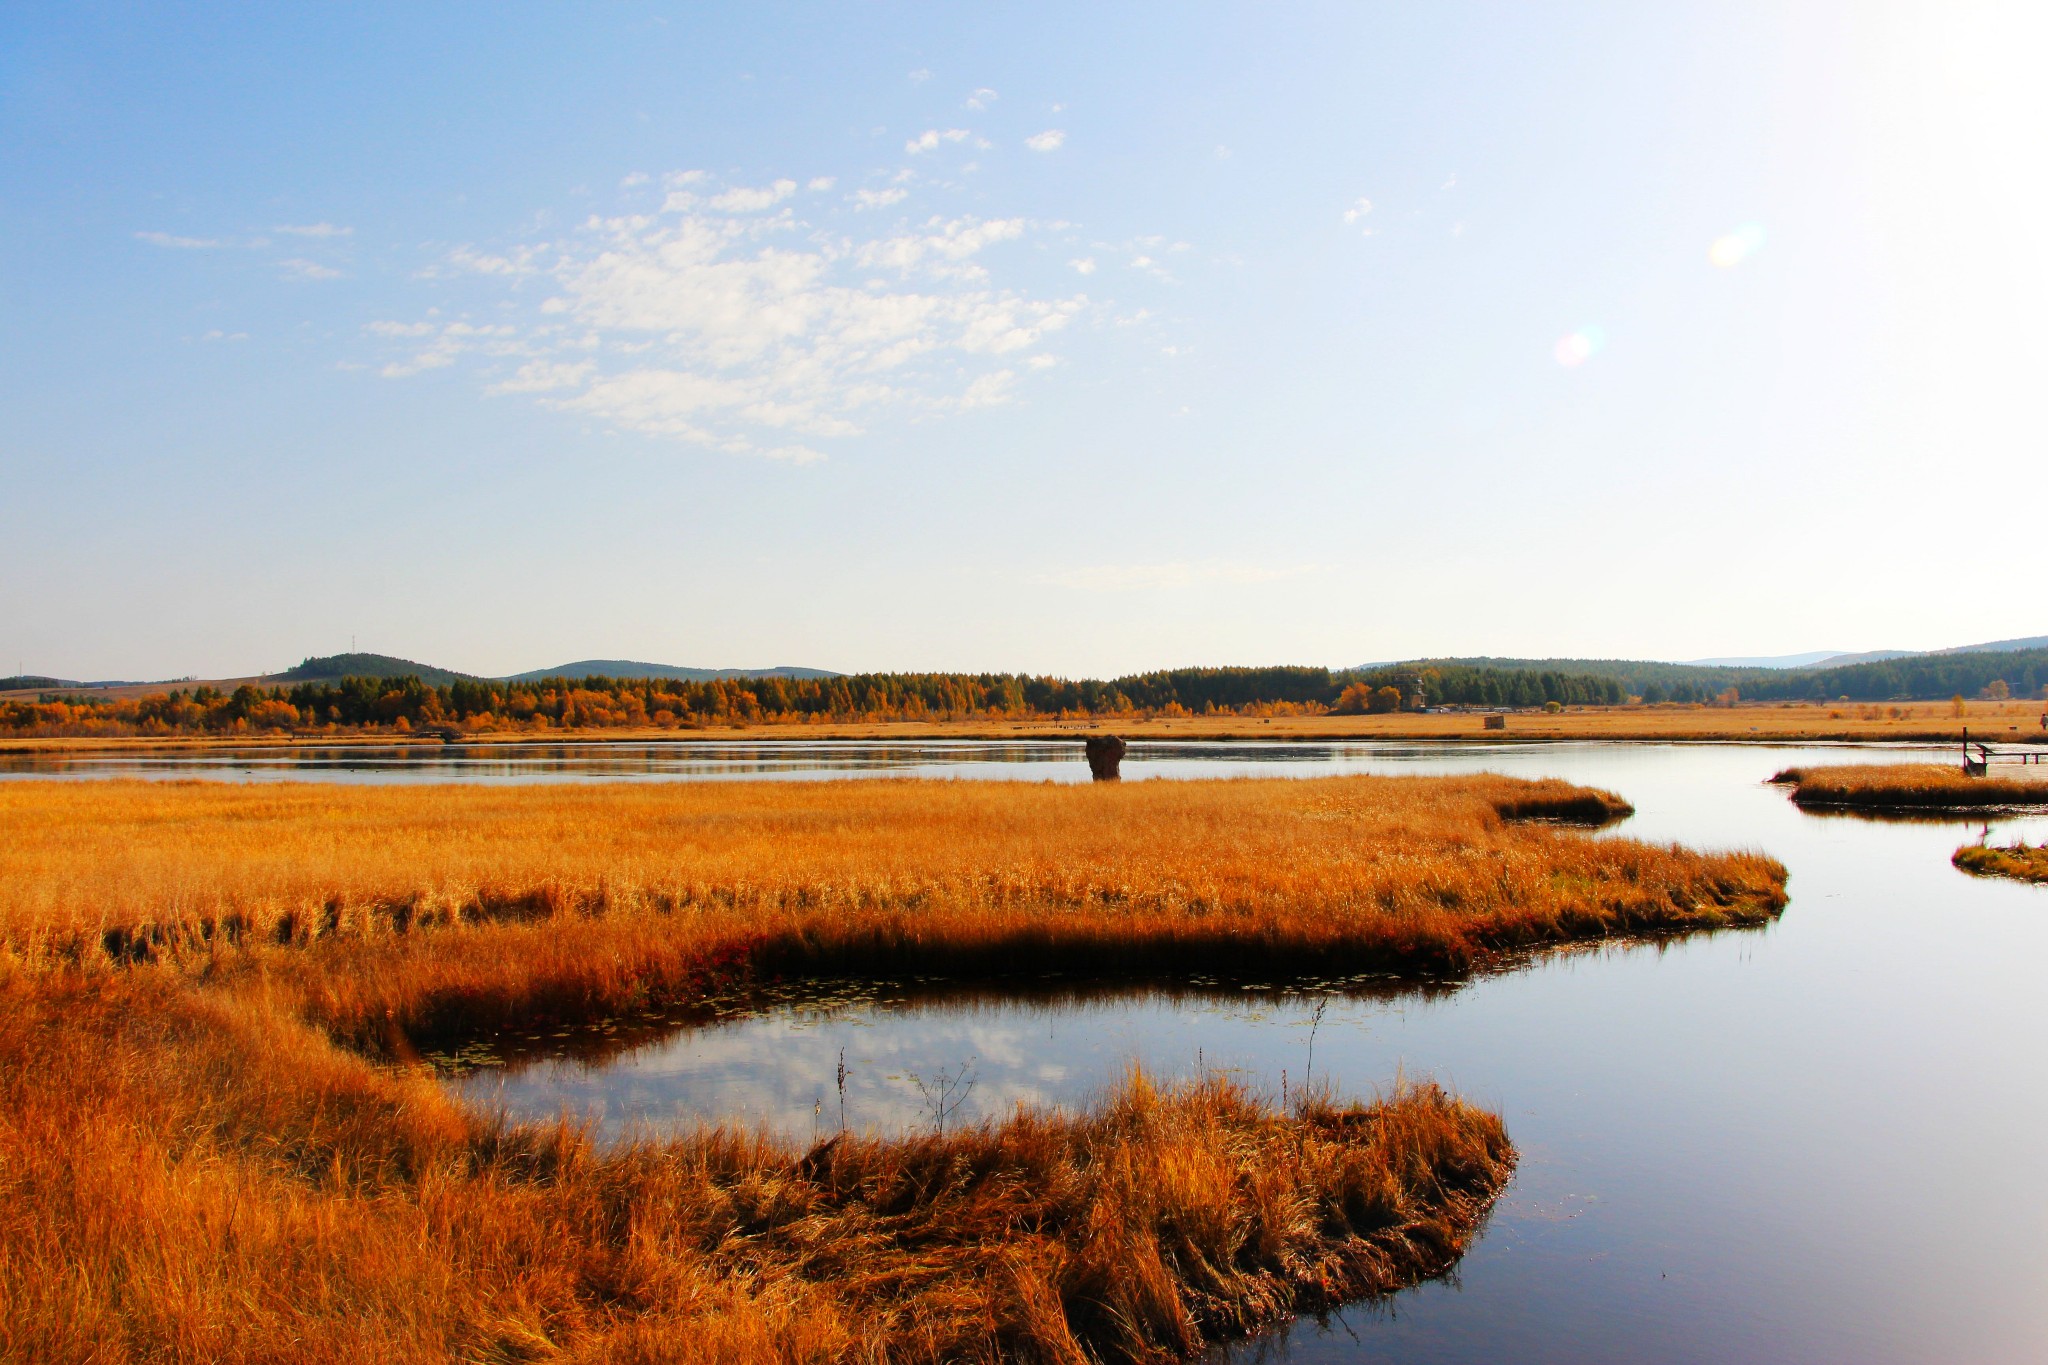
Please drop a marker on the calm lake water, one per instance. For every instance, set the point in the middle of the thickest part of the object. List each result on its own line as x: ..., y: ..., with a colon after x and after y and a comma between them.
x: 1815, y: 1142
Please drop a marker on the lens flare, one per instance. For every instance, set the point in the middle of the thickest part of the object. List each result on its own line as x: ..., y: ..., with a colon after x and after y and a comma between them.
x: 1575, y: 348
x: 1737, y: 247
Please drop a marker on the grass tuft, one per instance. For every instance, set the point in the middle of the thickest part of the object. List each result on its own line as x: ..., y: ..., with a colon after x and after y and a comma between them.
x: 2021, y: 862
x: 1910, y: 786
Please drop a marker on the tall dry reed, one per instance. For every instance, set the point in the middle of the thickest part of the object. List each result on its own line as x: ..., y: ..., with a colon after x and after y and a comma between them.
x: 2021, y: 862
x: 440, y: 910
x: 187, y: 1176
x: 1913, y: 786
x: 201, y: 1159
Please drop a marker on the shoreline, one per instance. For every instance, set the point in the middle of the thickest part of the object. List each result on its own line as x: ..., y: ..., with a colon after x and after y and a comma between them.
x: 1738, y: 725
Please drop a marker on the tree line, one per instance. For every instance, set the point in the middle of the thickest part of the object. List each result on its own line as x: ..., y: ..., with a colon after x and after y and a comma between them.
x: 407, y: 703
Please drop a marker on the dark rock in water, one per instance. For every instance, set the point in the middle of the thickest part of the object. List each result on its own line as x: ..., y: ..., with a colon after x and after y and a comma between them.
x: 1105, y: 752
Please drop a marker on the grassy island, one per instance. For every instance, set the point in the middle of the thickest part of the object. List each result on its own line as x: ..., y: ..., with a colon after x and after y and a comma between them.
x: 214, y: 1147
x: 2021, y: 862
x: 1913, y: 786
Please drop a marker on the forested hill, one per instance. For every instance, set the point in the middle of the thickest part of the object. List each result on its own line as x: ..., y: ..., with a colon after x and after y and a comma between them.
x: 1918, y: 677
x: 2023, y: 672
x: 335, y: 667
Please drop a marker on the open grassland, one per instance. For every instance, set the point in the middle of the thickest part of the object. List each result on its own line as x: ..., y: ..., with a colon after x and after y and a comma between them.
x: 2013, y: 721
x: 1915, y: 786
x: 212, y: 1147
x: 2021, y: 862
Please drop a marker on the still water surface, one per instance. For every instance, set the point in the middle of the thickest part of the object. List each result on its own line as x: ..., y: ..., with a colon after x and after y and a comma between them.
x: 1821, y: 1141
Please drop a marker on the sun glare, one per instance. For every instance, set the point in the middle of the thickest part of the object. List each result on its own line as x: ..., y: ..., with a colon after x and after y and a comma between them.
x: 1736, y: 247
x: 1576, y: 347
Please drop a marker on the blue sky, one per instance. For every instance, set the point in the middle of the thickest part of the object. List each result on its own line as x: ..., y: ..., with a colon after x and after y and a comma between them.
x: 1072, y: 339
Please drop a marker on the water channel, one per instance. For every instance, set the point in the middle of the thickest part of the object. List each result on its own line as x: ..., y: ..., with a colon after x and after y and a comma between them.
x: 1814, y: 1142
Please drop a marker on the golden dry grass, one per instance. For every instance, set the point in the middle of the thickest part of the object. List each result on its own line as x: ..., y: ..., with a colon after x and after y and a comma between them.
x: 1914, y: 786
x: 2021, y: 862
x: 187, y: 1176
x: 202, y: 1159
x: 568, y: 901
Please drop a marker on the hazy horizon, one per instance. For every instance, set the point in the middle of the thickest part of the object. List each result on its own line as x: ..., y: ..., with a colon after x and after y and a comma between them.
x: 1047, y: 339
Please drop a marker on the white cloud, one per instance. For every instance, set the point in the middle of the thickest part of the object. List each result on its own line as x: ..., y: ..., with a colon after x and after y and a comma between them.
x: 634, y: 179
x: 930, y: 138
x: 1047, y: 141
x: 1084, y: 266
x: 982, y: 98
x: 217, y: 335
x: 1168, y: 576
x: 1358, y: 210
x: 521, y: 261
x: 313, y: 230
x: 746, y: 200
x: 921, y: 75
x: 297, y: 269
x: 822, y: 183
x: 758, y: 335
x: 446, y: 343
x: 166, y: 239
x: 544, y: 376
x: 879, y: 199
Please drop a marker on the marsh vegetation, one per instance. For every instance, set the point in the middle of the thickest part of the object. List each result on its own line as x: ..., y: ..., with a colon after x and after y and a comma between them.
x: 1914, y: 786
x: 214, y: 1145
x: 2021, y: 862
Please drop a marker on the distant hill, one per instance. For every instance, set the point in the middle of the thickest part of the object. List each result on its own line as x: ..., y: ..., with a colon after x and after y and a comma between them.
x: 1874, y: 656
x: 23, y: 681
x: 1878, y: 656
x: 1998, y: 646
x: 329, y: 667
x: 1807, y: 660
x: 633, y: 668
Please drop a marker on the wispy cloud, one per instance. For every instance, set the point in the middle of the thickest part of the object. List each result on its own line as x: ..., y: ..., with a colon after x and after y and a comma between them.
x: 1356, y: 211
x: 445, y: 343
x: 299, y: 269
x: 716, y: 324
x: 982, y: 98
x: 166, y: 239
x: 313, y: 230
x: 1048, y: 141
x: 749, y: 200
x: 1175, y: 574
x: 930, y: 139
